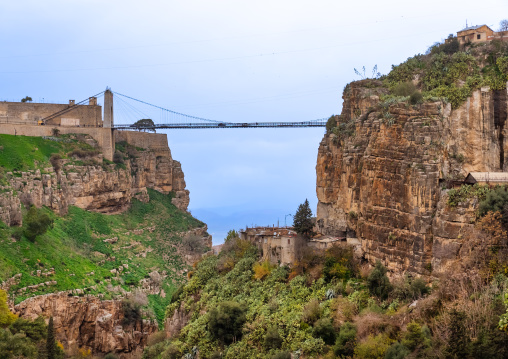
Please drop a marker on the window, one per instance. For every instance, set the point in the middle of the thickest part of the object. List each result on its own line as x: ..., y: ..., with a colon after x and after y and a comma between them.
x: 479, y: 36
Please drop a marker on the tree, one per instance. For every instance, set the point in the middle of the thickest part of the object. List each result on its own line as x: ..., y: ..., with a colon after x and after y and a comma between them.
x: 226, y: 321
x: 26, y: 99
x: 51, y: 348
x: 232, y: 234
x: 378, y: 283
x: 193, y: 244
x: 6, y: 317
x: 503, y: 25
x: 458, y: 343
x: 36, y: 223
x: 15, y: 346
x: 145, y: 124
x: 302, y: 220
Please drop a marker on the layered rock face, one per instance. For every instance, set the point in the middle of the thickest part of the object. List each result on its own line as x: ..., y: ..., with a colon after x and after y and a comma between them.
x: 87, y: 322
x: 380, y: 174
x: 99, y: 187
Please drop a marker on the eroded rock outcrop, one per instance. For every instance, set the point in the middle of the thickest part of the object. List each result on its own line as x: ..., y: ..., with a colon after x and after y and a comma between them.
x: 97, y: 186
x: 87, y: 322
x: 380, y: 173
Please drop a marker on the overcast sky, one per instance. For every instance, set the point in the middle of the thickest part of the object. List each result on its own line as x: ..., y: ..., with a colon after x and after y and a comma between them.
x: 234, y: 61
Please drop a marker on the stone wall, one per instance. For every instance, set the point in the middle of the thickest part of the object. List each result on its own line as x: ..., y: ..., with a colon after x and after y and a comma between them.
x: 30, y: 113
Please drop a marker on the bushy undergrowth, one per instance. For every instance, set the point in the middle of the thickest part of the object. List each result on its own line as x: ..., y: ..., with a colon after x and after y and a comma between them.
x: 450, y: 73
x: 465, y: 192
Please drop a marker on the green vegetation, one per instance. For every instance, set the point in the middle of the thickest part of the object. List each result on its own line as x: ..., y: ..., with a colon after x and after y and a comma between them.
x: 75, y: 247
x: 225, y: 322
x: 21, y: 338
x: 22, y: 153
x: 6, y: 316
x: 378, y: 283
x: 465, y: 192
x: 301, y: 311
x: 446, y: 72
x: 36, y: 223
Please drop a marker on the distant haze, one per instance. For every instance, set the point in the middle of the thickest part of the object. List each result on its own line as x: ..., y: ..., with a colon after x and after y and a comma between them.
x: 234, y: 61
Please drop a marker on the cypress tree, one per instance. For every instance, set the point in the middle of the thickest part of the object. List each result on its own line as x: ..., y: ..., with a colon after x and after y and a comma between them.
x: 302, y: 221
x: 51, y: 349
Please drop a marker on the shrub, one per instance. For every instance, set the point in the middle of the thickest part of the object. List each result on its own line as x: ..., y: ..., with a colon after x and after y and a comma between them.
x: 404, y: 89
x: 225, y: 322
x: 496, y: 200
x: 110, y: 356
x: 35, y: 330
x: 346, y: 340
x: 331, y: 123
x: 173, y: 351
x: 6, y: 316
x: 55, y: 132
x: 83, y: 153
x: 131, y: 311
x: 456, y: 196
x: 414, y: 337
x: 458, y: 341
x: 282, y: 355
x: 262, y: 270
x: 311, y: 312
x: 118, y: 158
x: 273, y: 340
x: 339, y: 263
x: 193, y: 244
x: 415, y: 98
x: 17, y: 233
x: 373, y: 347
x: 36, y: 223
x: 397, y: 351
x: 175, y: 297
x: 408, y: 288
x: 378, y: 283
x: 55, y: 161
x: 323, y: 329
x: 16, y: 345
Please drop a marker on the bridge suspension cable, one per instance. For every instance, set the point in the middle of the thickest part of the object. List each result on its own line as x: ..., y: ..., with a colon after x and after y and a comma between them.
x: 70, y: 108
x: 167, y: 110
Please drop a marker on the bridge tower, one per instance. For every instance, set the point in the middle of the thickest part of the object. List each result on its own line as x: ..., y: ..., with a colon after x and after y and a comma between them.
x: 108, y: 108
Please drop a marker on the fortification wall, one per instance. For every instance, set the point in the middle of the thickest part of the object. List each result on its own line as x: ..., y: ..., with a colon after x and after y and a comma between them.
x: 30, y: 113
x: 103, y: 136
x: 153, y: 141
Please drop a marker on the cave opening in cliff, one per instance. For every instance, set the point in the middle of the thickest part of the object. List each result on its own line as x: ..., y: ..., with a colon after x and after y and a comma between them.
x: 500, y: 113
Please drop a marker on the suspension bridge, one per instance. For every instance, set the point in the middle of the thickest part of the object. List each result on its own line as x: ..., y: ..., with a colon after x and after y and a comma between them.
x: 134, y: 114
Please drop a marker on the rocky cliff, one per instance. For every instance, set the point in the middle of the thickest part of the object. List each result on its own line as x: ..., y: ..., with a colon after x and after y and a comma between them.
x: 382, y: 170
x: 88, y: 181
x: 138, y: 253
x: 89, y: 323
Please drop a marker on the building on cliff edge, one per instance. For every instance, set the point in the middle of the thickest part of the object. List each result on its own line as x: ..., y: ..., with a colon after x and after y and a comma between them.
x: 480, y: 33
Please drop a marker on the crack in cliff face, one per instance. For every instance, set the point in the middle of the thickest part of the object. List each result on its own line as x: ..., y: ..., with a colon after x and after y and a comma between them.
x: 500, y: 121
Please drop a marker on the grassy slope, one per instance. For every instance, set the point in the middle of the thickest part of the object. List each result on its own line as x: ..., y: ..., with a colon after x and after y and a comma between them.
x: 75, y: 245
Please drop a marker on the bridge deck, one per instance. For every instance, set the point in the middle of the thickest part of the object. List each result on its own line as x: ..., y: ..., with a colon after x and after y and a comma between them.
x: 224, y: 125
